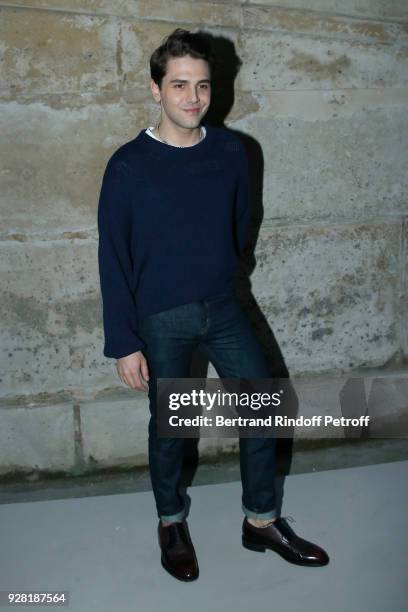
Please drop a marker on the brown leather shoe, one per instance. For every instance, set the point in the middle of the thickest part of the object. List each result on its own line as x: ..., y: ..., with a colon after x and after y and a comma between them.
x: 178, y: 554
x: 278, y: 536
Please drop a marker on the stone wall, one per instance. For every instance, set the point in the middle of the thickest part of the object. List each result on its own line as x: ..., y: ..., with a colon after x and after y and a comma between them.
x: 323, y: 94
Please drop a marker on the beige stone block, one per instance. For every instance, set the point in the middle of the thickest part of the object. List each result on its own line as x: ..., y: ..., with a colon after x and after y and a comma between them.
x: 396, y: 9
x: 330, y: 294
x: 276, y: 61
x: 53, y: 154
x: 221, y: 12
x: 50, y: 52
x: 37, y: 437
x: 120, y: 8
x: 403, y: 318
x: 52, y: 335
x: 205, y: 14
x: 115, y: 430
x: 322, y: 24
x: 329, y: 155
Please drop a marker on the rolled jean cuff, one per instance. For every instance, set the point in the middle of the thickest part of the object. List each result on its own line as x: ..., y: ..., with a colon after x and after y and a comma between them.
x: 170, y: 518
x: 259, y: 515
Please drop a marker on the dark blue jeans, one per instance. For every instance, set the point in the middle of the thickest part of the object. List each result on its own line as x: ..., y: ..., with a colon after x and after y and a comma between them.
x: 218, y: 327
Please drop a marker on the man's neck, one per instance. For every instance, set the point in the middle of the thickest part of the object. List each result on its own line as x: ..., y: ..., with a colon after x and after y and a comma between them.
x: 179, y: 138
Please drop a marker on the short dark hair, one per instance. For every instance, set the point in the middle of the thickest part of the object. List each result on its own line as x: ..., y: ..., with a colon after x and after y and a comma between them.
x: 179, y: 44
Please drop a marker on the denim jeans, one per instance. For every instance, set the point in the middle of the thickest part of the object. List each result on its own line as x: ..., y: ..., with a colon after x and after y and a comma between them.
x: 219, y: 328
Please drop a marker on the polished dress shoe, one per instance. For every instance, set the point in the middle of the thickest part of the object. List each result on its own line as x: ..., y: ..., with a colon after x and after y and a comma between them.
x: 278, y: 536
x: 178, y: 555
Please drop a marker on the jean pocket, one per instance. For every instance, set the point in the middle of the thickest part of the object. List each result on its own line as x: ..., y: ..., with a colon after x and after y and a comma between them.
x: 165, y: 317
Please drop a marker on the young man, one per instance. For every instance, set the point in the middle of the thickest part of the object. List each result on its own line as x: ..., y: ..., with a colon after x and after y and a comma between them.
x: 172, y: 219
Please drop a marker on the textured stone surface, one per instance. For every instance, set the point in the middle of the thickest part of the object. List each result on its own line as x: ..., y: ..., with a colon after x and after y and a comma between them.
x: 110, y: 430
x: 114, y: 431
x: 323, y: 158
x: 46, y: 51
x: 308, y: 22
x: 51, y: 335
x: 403, y: 313
x: 53, y: 160
x: 224, y: 12
x: 272, y: 60
x: 396, y: 9
x: 104, y: 7
x: 331, y: 294
x: 37, y: 438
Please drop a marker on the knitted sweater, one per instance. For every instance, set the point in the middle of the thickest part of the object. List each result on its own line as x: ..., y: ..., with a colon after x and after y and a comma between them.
x: 172, y: 223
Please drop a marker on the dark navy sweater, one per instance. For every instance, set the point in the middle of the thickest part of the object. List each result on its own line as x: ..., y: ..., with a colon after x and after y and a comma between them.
x: 172, y: 224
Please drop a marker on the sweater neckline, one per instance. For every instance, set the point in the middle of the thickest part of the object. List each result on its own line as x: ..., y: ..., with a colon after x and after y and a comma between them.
x: 161, y: 149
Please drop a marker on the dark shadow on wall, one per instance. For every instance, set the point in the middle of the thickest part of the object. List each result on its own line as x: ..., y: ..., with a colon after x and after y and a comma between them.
x: 222, y: 100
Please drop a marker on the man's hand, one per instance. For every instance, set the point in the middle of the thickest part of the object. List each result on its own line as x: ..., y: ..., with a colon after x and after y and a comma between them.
x: 131, y: 369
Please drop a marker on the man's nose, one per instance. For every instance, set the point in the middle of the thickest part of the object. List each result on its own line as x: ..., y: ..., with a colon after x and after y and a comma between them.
x: 193, y: 95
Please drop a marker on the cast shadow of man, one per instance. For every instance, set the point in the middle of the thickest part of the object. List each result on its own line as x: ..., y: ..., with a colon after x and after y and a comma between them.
x: 223, y: 78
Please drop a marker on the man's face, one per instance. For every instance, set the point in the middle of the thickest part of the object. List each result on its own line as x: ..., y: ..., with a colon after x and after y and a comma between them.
x: 185, y: 92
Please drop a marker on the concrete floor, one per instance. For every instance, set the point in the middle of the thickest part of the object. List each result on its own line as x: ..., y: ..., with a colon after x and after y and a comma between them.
x: 96, y: 538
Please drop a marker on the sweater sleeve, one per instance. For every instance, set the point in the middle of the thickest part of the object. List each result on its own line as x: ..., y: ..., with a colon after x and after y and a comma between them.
x: 115, y: 264
x: 242, y: 208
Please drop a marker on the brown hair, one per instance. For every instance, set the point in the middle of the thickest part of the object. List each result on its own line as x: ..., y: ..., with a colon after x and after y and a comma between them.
x: 179, y: 44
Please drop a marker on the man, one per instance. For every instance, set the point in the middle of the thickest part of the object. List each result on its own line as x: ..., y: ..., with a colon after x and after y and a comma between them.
x: 172, y: 218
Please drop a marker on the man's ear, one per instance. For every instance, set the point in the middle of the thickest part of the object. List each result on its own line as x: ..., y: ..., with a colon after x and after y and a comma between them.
x: 155, y: 90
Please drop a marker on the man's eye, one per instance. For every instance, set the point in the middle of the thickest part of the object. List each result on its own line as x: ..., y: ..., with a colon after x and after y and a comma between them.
x: 179, y: 84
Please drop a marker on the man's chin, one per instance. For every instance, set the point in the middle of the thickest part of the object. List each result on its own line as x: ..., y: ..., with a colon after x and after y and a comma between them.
x: 193, y: 121
x: 192, y: 125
